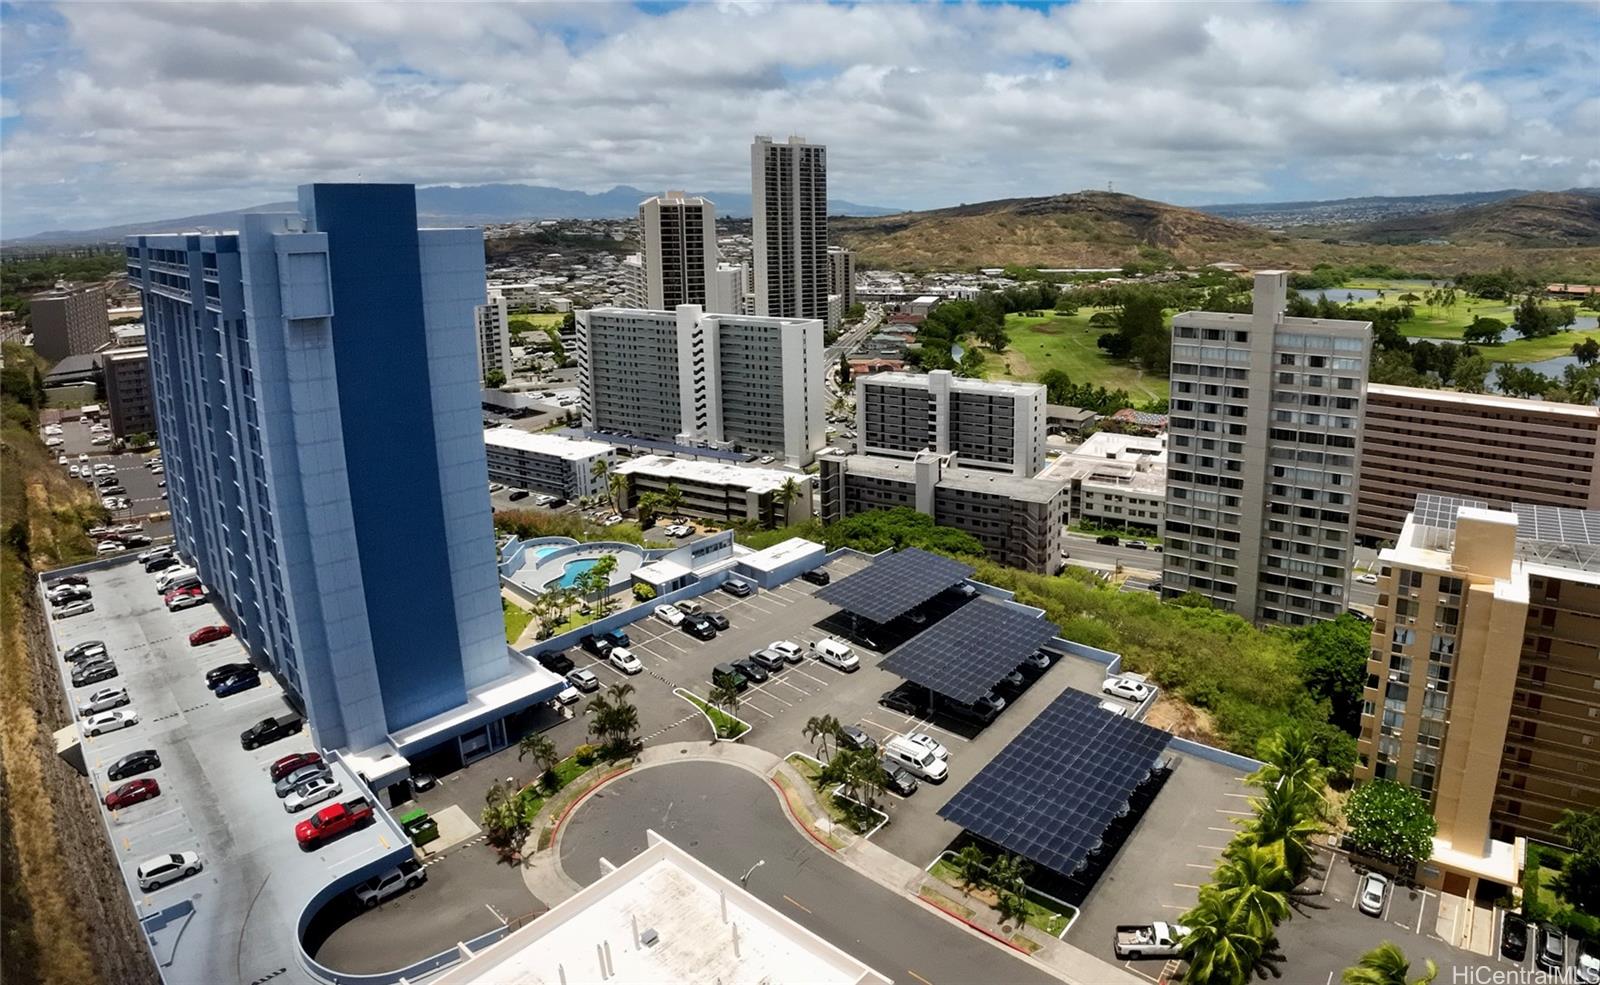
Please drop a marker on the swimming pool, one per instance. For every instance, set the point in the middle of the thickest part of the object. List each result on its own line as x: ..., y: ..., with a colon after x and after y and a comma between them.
x: 570, y: 573
x: 540, y: 553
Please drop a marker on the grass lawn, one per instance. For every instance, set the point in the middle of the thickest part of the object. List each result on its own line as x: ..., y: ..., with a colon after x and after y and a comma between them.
x: 517, y: 619
x: 1533, y: 350
x: 573, y: 622
x: 538, y: 319
x: 727, y: 726
x: 1066, y: 342
x: 1043, y: 915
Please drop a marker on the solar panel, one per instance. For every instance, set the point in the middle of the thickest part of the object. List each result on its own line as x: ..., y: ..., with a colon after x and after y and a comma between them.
x: 970, y: 650
x: 1050, y: 795
x: 895, y: 584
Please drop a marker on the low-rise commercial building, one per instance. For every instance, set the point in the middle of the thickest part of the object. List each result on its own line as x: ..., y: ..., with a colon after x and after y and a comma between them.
x: 697, y: 378
x: 69, y: 320
x: 546, y: 463
x: 1115, y: 480
x: 128, y: 391
x: 720, y: 490
x: 1476, y: 445
x: 1483, y: 687
x: 1018, y: 520
x: 991, y: 425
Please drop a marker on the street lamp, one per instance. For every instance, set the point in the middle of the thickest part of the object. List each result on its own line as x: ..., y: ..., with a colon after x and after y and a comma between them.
x: 745, y: 879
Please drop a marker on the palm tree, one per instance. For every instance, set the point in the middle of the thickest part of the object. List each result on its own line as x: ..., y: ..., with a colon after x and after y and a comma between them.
x: 1220, y: 947
x: 1257, y: 885
x: 725, y: 693
x: 787, y: 494
x: 1386, y: 964
x: 617, y: 485
x: 864, y: 776
x: 672, y: 498
x: 599, y: 467
x: 819, y: 729
x: 1284, y: 823
x: 543, y: 752
x: 973, y: 866
x: 1288, y: 760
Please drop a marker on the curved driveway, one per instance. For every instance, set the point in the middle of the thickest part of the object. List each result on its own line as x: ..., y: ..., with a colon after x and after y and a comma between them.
x: 729, y: 819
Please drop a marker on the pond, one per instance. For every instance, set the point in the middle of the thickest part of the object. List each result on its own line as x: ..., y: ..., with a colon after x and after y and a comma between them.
x: 1340, y: 295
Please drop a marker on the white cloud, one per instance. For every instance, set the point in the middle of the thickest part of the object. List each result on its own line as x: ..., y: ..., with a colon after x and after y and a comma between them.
x: 117, y: 112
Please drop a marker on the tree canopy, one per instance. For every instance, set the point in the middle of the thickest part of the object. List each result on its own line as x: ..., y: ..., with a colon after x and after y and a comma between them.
x: 880, y: 530
x: 1390, y: 822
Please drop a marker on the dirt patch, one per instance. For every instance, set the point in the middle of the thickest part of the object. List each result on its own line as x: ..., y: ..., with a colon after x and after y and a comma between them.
x: 1183, y: 720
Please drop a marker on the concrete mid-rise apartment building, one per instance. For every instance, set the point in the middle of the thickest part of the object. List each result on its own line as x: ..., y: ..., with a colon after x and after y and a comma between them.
x: 678, y: 235
x: 546, y: 463
x: 991, y: 424
x: 1483, y: 686
x: 1484, y: 446
x: 1115, y: 480
x: 720, y: 491
x: 129, y: 396
x: 789, y: 228
x: 1016, y: 519
x: 842, y: 275
x: 317, y: 395
x: 494, y: 337
x: 69, y: 320
x: 1264, y: 445
x: 714, y: 380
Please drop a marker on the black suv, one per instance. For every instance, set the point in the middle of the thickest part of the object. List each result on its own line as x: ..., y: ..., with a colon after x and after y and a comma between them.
x: 216, y: 675
x: 133, y: 764
x: 1110, y: 540
x: 699, y: 627
x: 597, y: 645
x: 899, y: 780
x: 1514, y: 937
x: 270, y: 730
x: 68, y: 580
x: 721, y: 671
x: 816, y: 576
x: 557, y: 662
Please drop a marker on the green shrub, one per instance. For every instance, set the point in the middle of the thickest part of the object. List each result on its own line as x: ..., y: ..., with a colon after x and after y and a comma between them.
x: 586, y: 754
x: 643, y: 592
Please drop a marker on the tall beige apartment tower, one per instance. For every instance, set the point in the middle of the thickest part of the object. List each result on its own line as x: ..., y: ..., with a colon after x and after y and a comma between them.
x: 678, y: 234
x: 69, y: 320
x: 789, y: 228
x: 1264, y: 443
x: 1483, y: 684
x: 1476, y: 445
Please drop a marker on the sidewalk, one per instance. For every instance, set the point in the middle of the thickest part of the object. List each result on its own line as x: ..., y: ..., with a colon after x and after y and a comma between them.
x: 545, y: 879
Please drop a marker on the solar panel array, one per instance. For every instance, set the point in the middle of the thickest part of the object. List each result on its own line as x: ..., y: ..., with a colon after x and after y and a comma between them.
x: 971, y: 650
x: 1051, y: 794
x: 895, y: 584
x: 1540, y: 524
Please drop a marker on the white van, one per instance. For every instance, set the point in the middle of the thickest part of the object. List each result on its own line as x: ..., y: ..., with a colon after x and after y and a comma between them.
x: 170, y: 578
x: 832, y: 652
x: 669, y: 614
x: 918, y: 759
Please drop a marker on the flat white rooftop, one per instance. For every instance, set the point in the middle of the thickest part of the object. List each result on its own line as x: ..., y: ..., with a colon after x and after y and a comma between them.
x: 708, y: 930
x: 528, y: 682
x: 711, y: 473
x: 554, y: 445
x: 961, y: 383
x: 778, y: 555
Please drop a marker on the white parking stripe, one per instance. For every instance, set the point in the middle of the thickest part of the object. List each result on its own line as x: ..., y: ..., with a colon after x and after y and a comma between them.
x: 768, y: 609
x: 785, y: 683
x: 802, y: 673
x: 761, y: 690
x: 754, y: 707
x: 663, y: 639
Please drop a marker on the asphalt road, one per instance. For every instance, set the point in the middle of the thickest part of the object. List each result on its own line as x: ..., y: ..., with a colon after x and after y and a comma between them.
x: 730, y: 819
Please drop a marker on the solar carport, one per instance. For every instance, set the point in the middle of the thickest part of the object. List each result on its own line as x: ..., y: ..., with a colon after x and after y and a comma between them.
x: 1051, y: 795
x: 895, y: 584
x: 967, y: 653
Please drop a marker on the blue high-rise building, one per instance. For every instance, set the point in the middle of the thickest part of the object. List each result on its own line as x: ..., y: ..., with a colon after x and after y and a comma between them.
x: 317, y: 399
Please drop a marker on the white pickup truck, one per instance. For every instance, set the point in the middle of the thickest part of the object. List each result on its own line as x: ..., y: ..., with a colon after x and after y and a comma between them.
x: 1149, y: 940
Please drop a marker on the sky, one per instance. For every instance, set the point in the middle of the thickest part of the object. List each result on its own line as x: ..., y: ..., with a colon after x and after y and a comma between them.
x: 125, y: 111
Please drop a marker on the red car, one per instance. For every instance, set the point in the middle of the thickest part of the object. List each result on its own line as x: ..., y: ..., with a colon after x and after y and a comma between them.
x: 133, y: 792
x: 288, y: 764
x: 176, y: 592
x: 209, y: 634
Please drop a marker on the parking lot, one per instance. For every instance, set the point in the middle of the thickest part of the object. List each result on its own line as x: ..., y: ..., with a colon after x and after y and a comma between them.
x: 215, y: 797
x: 145, y: 493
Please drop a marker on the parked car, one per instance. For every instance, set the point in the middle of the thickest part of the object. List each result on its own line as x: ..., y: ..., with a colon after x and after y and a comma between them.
x: 835, y: 654
x: 623, y: 659
x: 132, y: 792
x: 1110, y: 540
x: 1125, y: 687
x: 237, y: 683
x: 162, y: 563
x: 556, y: 662
x: 1370, y: 897
x: 516, y: 494
x: 135, y: 540
x: 669, y: 614
x: 187, y: 600
x: 856, y: 737
x: 904, y: 699
x: 929, y: 743
x: 153, y: 553
x: 736, y: 588
x: 597, y: 645
x: 408, y: 876
x: 133, y: 764
x: 80, y: 651
x: 678, y: 530
x: 699, y: 627
x: 271, y: 730
x: 788, y: 650
x: 1133, y: 941
x: 568, y: 695
x: 189, y: 590
x: 725, y: 671
x: 899, y: 780
x: 291, y: 782
x: 217, y: 675
x: 1038, y: 660
x: 1514, y: 937
x: 104, y: 699
x: 767, y: 660
x: 1586, y: 967
x: 70, y: 580
x: 110, y: 721
x: 284, y: 765
x: 1114, y: 708
x: 816, y: 576
x: 71, y: 609
x: 1550, y: 954
x: 718, y: 621
x: 332, y: 821
x: 93, y: 673
x: 209, y: 634
x: 1367, y: 578
x: 68, y: 593
x: 163, y: 869
x: 313, y: 791
x: 584, y: 680
x: 756, y: 673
